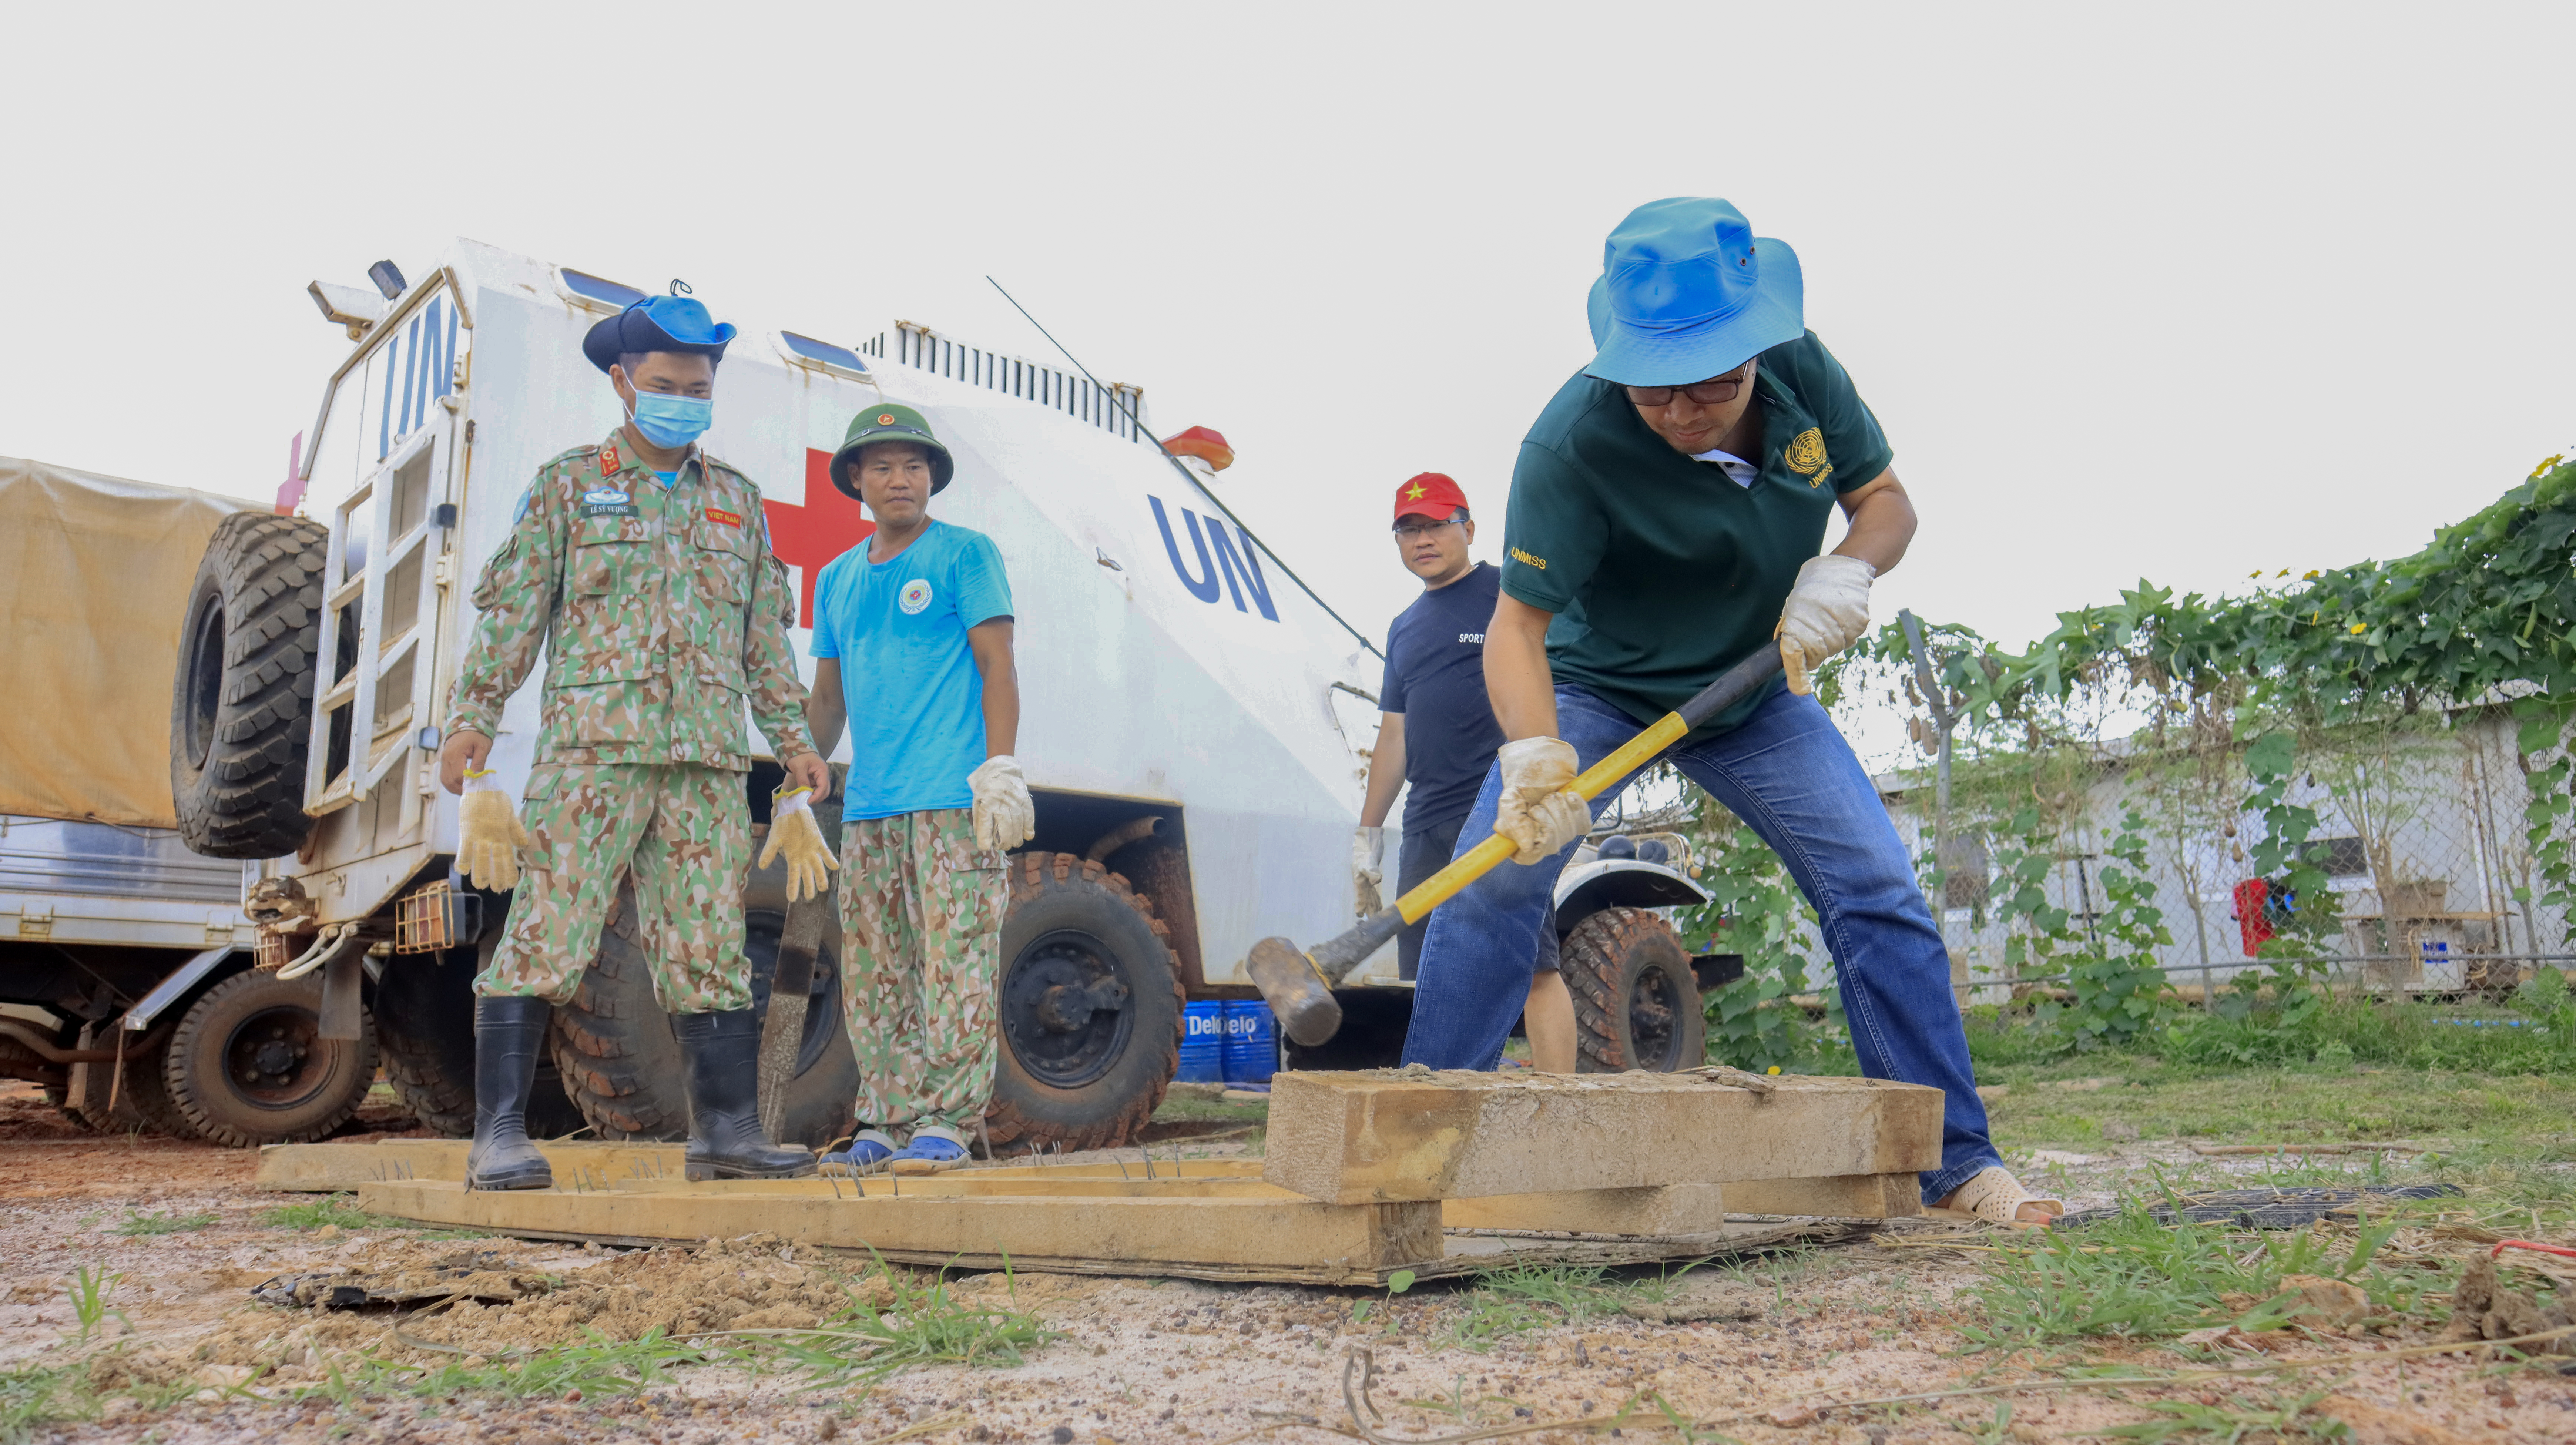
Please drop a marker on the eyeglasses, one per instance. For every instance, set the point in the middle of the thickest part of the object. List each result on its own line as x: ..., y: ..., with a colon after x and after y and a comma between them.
x: 1707, y: 393
x: 1415, y: 531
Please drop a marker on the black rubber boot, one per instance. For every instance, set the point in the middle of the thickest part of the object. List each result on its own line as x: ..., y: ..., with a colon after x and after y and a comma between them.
x: 508, y: 1032
x: 725, y: 1142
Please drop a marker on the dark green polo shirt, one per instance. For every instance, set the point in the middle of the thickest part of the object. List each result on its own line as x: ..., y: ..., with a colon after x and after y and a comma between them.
x: 1662, y: 572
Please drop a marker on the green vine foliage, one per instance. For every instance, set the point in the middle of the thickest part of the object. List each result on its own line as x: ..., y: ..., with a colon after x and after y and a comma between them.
x: 2490, y: 604
x: 2262, y: 687
x: 2119, y: 993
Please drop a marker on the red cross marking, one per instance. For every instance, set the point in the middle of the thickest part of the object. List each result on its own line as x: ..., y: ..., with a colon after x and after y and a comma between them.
x: 809, y: 536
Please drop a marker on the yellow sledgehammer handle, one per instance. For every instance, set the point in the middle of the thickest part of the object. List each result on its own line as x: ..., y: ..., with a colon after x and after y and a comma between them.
x: 1298, y: 984
x: 1589, y: 784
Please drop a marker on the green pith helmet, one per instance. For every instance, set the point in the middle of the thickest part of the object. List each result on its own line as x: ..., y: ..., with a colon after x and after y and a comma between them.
x: 888, y: 422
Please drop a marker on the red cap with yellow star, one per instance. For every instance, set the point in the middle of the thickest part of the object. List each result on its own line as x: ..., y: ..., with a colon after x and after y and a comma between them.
x: 1430, y: 494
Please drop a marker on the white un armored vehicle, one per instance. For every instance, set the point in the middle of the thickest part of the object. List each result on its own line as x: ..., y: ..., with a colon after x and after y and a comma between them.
x: 1193, y: 720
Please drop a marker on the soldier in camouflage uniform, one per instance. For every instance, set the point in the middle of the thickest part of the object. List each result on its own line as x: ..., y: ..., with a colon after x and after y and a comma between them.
x: 912, y: 648
x: 643, y: 568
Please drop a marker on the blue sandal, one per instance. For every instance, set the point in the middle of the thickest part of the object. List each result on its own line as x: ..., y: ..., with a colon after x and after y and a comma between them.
x: 936, y: 1143
x: 868, y: 1148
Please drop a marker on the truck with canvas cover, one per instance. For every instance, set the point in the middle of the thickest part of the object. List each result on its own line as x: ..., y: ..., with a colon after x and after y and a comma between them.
x: 126, y: 986
x: 1193, y: 719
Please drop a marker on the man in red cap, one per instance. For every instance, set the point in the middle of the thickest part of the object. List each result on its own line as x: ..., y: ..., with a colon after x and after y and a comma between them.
x: 1439, y: 734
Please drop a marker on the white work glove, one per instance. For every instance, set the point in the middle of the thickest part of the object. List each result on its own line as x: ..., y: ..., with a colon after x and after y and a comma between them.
x: 1368, y: 872
x: 1826, y: 610
x: 1004, y: 816
x: 1537, y: 814
x: 793, y: 831
x: 488, y: 834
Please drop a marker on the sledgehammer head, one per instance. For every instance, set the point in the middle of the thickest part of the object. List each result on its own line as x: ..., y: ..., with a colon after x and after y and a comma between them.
x: 1294, y: 987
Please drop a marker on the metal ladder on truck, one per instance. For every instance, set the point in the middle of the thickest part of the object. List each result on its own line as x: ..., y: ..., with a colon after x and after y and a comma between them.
x: 387, y: 570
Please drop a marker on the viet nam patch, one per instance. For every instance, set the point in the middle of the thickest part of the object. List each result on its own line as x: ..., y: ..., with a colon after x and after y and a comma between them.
x: 1805, y: 455
x: 719, y: 514
x: 914, y: 597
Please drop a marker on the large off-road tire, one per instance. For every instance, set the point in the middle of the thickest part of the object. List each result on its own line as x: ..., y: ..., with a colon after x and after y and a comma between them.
x: 1636, y: 1005
x: 622, y: 1068
x: 1090, y: 1008
x: 425, y: 1033
x: 242, y: 701
x: 142, y: 1100
x: 247, y: 1064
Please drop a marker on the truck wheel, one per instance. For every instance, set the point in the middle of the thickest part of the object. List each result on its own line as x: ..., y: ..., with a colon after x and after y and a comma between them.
x: 1636, y: 1005
x: 247, y: 1064
x: 142, y: 1102
x: 1090, y: 1008
x: 425, y: 1031
x: 147, y: 1084
x: 622, y: 1068
x: 241, y: 705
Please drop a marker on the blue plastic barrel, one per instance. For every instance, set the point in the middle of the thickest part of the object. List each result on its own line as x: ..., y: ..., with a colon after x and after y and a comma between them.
x: 1202, y: 1043
x: 1251, y: 1043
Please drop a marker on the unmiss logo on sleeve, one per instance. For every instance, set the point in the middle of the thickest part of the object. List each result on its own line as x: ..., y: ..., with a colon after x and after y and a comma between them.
x: 914, y: 597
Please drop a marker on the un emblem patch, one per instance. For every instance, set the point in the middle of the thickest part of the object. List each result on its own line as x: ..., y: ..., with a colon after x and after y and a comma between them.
x: 1805, y: 455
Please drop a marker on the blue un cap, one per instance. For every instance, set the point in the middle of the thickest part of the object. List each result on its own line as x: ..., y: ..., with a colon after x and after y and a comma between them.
x: 657, y: 323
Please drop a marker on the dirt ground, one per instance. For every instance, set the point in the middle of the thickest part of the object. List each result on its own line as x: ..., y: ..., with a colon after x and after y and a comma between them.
x: 1767, y: 1348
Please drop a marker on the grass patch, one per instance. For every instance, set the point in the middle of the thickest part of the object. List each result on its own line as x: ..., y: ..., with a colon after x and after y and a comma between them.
x: 2281, y: 1420
x: 1191, y: 1109
x: 88, y: 1289
x: 599, y: 1366
x: 2138, y: 1279
x: 924, y: 1324
x: 2348, y: 1029
x: 332, y: 1209
x: 139, y: 1222
x: 1523, y: 1297
x: 33, y: 1397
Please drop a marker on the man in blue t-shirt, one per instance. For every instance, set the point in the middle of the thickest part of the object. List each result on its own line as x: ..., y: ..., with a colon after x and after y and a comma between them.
x: 1438, y: 733
x: 912, y: 649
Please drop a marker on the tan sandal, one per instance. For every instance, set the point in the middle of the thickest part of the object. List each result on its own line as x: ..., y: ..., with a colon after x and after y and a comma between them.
x: 1993, y: 1196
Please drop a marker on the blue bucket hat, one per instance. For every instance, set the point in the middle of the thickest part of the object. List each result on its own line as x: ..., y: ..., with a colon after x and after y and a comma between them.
x: 1687, y: 292
x: 657, y: 323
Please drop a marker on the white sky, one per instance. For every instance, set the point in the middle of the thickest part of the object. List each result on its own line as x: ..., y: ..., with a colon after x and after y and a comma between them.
x: 2175, y: 292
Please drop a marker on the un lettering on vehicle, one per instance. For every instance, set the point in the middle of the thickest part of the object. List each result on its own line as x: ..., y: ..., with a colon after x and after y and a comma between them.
x: 1229, y: 563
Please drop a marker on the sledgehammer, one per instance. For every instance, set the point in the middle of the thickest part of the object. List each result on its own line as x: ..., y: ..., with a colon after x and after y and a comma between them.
x: 1299, y: 985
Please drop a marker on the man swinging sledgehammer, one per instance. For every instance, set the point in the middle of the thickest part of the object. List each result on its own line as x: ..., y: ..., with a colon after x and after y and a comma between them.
x: 1665, y: 515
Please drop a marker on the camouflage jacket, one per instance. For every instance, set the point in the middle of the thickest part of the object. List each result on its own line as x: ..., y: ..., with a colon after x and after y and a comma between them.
x: 660, y: 611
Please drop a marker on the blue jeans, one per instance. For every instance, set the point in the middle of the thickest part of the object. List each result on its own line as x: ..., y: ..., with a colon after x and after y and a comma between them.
x: 1790, y: 776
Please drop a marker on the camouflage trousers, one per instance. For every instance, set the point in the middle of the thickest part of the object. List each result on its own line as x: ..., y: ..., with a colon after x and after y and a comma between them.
x: 682, y: 830
x: 921, y: 934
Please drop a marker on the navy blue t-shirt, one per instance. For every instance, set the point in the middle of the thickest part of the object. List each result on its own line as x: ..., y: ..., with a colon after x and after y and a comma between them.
x: 1435, y: 676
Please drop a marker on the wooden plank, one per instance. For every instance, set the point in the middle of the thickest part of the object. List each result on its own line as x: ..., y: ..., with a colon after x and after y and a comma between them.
x: 1476, y: 1253
x: 1849, y: 1196
x: 1661, y: 1210
x: 1145, y: 1235
x: 970, y: 1184
x: 1379, y: 1136
x: 339, y: 1168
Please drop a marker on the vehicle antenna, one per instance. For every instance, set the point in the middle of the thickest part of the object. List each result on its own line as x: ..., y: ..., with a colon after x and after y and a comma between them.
x: 1187, y: 475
